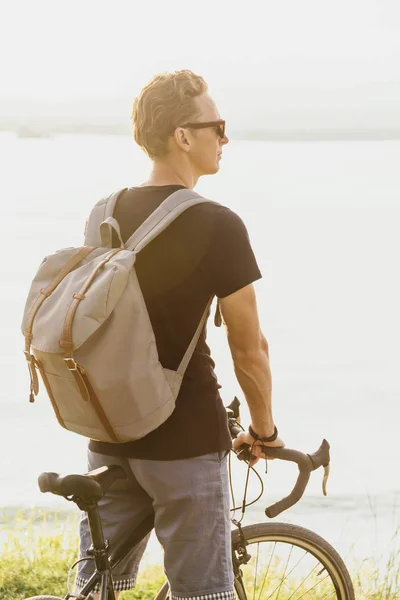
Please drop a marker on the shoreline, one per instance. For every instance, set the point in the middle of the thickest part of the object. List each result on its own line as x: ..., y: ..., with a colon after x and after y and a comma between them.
x: 353, y: 527
x: 49, y: 132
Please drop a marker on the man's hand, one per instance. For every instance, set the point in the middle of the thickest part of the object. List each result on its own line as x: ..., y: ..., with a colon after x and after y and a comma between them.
x: 246, y: 438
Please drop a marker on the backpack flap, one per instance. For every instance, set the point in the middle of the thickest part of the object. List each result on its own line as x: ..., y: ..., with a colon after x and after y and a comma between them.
x: 89, y: 292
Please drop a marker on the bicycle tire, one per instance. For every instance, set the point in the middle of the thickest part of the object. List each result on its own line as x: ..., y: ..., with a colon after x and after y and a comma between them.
x: 301, y: 538
x: 163, y: 592
x: 44, y: 598
x: 305, y: 540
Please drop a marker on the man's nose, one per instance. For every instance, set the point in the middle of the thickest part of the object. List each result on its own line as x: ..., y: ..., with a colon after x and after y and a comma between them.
x: 224, y: 140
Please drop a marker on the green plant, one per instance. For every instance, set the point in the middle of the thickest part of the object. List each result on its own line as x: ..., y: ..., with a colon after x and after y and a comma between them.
x: 32, y: 563
x: 30, y: 566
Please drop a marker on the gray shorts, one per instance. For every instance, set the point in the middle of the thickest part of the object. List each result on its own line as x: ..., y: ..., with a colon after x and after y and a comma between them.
x: 190, y: 499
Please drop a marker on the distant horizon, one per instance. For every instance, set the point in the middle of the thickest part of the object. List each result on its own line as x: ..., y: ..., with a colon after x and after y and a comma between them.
x: 373, y: 106
x: 361, y: 112
x: 42, y: 129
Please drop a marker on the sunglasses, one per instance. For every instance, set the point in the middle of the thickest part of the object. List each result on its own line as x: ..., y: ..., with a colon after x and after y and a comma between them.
x: 218, y: 125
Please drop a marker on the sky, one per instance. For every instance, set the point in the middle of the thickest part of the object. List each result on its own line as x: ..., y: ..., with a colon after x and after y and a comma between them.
x: 331, y: 53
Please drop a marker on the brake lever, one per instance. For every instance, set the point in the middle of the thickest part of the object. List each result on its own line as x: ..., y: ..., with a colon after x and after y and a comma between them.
x: 322, y: 458
x: 327, y: 470
x: 244, y: 453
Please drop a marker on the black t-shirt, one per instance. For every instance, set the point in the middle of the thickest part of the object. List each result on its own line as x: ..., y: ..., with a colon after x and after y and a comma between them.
x: 204, y: 252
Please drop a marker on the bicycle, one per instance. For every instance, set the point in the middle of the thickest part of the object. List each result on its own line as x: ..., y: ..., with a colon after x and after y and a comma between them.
x: 265, y: 555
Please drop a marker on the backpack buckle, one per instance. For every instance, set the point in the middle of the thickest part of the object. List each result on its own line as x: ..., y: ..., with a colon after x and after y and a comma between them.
x: 34, y: 385
x: 71, y: 363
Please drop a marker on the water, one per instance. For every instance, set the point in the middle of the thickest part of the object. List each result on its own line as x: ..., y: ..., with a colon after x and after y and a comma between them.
x: 323, y: 221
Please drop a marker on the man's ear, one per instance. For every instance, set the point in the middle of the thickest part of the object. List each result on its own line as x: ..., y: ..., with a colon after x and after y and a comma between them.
x: 181, y: 138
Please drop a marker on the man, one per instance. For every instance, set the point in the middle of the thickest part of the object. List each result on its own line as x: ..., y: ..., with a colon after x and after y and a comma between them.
x: 180, y: 469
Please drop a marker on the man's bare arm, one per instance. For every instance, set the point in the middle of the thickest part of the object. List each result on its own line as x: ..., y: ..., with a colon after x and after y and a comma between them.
x: 249, y: 350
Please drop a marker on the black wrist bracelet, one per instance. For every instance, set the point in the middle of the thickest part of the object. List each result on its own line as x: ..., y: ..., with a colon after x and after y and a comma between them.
x: 271, y: 438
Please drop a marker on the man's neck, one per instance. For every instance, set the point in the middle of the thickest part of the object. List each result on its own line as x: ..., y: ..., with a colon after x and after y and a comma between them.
x: 166, y: 174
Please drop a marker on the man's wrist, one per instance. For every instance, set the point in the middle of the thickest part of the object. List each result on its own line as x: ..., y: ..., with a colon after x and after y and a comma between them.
x: 260, y: 438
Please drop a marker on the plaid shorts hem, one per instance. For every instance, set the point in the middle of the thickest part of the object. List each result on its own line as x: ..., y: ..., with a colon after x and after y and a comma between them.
x: 228, y: 595
x: 120, y: 585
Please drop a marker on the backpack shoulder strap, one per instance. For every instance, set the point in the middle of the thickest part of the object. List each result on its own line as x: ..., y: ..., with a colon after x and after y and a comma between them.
x: 192, y: 346
x: 103, y: 209
x: 159, y: 220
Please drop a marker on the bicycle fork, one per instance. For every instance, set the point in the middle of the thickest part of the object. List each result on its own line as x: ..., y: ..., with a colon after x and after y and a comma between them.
x: 240, y: 556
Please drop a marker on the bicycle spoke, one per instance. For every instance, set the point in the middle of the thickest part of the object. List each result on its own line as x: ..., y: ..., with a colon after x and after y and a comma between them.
x: 305, y: 579
x: 255, y: 573
x: 266, y: 574
x: 290, y: 567
x: 329, y: 595
x: 284, y: 573
x: 276, y: 592
x: 312, y: 588
x: 284, y: 576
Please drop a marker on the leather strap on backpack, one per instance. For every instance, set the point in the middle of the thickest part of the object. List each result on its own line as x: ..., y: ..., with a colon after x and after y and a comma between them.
x: 78, y: 372
x: 50, y: 393
x: 45, y: 293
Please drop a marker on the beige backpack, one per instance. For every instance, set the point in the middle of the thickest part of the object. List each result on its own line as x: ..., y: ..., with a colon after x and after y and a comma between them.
x: 88, y: 333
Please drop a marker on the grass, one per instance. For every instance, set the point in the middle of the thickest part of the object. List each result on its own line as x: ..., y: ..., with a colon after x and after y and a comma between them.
x: 34, y: 563
x: 28, y: 571
x: 379, y: 579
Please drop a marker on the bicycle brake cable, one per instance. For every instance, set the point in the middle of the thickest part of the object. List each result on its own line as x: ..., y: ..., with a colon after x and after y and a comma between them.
x: 244, y: 505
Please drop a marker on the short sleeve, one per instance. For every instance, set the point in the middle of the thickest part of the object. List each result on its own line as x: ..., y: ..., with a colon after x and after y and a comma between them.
x: 231, y: 261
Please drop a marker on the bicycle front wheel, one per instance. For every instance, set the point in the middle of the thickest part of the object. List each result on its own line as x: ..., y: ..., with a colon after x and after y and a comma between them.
x: 287, y: 562
x: 44, y: 598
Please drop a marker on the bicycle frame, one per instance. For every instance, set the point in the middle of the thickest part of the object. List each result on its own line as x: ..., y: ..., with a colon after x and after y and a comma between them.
x: 99, y: 553
x: 105, y: 564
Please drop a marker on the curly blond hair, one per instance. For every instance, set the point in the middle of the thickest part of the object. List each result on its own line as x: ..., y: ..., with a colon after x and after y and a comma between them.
x: 164, y: 104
